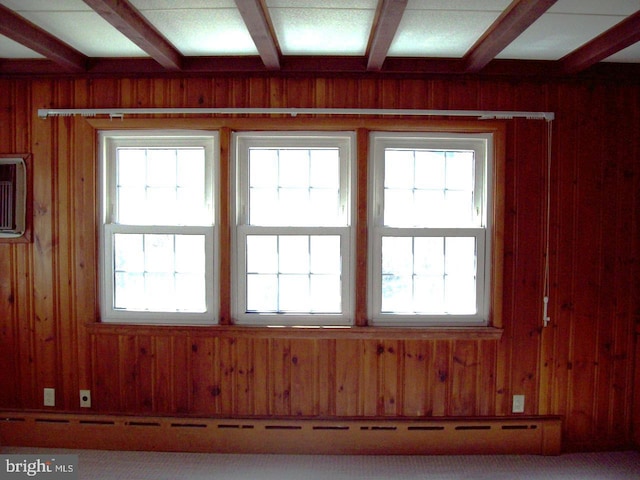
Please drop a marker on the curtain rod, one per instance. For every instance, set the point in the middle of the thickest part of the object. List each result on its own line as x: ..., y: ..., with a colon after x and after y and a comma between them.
x: 121, y: 112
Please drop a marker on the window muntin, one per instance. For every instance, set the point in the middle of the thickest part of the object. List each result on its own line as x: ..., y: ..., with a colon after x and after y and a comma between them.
x: 293, y: 259
x: 158, y: 227
x: 429, y: 243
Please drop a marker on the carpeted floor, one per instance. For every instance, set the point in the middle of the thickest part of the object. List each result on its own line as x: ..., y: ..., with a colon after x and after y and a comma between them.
x: 108, y: 465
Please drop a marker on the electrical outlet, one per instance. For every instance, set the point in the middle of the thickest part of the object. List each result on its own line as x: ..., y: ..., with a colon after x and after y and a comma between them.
x: 49, y: 397
x: 518, y: 404
x: 85, y: 398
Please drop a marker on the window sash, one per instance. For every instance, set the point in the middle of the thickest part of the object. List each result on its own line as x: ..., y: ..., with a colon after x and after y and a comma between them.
x: 110, y: 141
x: 243, y: 142
x: 380, y: 318
x: 482, y: 145
x: 112, y: 314
x: 242, y: 314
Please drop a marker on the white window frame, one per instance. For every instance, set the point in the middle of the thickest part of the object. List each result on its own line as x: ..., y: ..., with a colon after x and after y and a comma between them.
x: 242, y: 142
x: 482, y: 143
x: 109, y: 141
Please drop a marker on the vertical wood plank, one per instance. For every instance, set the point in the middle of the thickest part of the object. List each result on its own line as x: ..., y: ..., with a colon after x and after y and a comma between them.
x: 262, y: 378
x: 464, y: 374
x: 203, y: 383
x: 45, y: 241
x: 245, y: 373
x: 415, y: 381
x: 440, y: 378
x: 326, y: 374
x: 371, y: 400
x: 348, y: 367
x: 162, y: 376
x: 304, y: 385
x: 280, y: 376
x: 228, y: 374
x: 181, y: 393
x: 107, y: 396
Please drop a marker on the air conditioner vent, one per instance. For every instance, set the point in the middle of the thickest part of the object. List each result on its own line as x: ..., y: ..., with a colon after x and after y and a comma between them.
x: 13, y: 197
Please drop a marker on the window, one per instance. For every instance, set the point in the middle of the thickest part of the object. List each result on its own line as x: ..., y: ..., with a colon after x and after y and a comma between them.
x: 429, y: 247
x: 157, y: 244
x: 13, y: 197
x: 293, y: 237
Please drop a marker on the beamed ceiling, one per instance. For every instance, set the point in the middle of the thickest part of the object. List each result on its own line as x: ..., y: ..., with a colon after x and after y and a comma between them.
x: 131, y: 37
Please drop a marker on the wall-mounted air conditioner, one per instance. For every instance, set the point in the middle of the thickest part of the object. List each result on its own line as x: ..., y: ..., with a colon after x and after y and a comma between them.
x: 13, y: 197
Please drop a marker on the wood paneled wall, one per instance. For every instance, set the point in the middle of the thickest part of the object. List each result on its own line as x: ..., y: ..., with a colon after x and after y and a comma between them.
x: 581, y: 366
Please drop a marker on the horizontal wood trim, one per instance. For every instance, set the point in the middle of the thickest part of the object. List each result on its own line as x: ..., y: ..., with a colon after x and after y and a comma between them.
x: 473, y: 435
x: 301, y: 122
x: 312, y: 333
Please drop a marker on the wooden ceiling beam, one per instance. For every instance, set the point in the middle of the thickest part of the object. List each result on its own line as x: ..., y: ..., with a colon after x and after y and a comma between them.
x: 255, y: 18
x: 518, y: 16
x: 20, y: 30
x: 617, y: 38
x: 389, y: 15
x: 124, y: 16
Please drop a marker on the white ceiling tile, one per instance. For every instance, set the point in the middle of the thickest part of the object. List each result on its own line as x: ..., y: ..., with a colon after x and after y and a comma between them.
x: 204, y: 32
x: 596, y: 7
x: 46, y: 5
x: 320, y: 31
x: 468, y: 5
x: 11, y: 49
x: 326, y: 4
x: 439, y: 33
x: 87, y: 32
x: 628, y: 55
x: 555, y: 35
x: 181, y: 5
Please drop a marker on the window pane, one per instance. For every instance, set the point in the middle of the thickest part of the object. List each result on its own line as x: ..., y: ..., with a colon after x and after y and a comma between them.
x: 460, y: 256
x: 430, y: 170
x: 160, y: 292
x: 429, y: 256
x: 425, y: 188
x: 161, y: 186
x: 325, y: 294
x: 160, y: 273
x: 262, y: 254
x: 325, y: 254
x: 294, y: 293
x: 460, y: 170
x: 132, y: 167
x: 132, y: 205
x: 191, y: 168
x: 397, y: 256
x: 325, y: 168
x: 262, y: 293
x: 159, y: 253
x: 294, y: 254
x: 294, y: 186
x: 293, y: 168
x: 430, y: 275
x: 399, y: 169
x: 397, y: 294
x: 429, y: 295
x: 294, y: 273
x: 190, y: 293
x: 129, y: 253
x: 263, y: 168
x: 161, y: 167
x: 129, y: 291
x: 189, y: 250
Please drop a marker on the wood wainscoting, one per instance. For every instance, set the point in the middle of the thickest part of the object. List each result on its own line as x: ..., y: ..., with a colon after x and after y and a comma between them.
x: 536, y: 435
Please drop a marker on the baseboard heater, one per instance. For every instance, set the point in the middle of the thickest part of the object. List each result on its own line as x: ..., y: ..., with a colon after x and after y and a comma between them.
x: 538, y: 435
